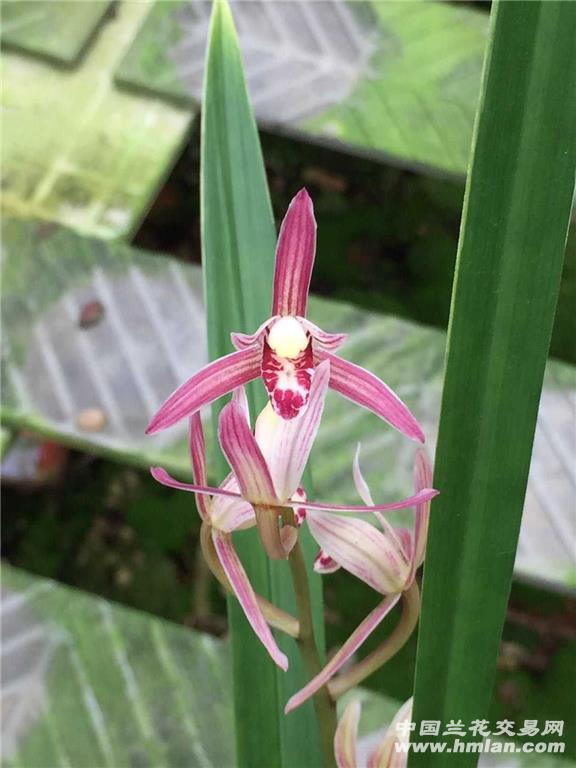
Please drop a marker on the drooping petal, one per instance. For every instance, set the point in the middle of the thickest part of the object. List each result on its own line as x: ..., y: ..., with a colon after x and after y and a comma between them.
x: 246, y: 597
x: 361, y: 549
x: 385, y: 755
x: 324, y: 564
x: 247, y: 340
x: 356, y: 639
x: 366, y: 496
x: 346, y: 736
x: 324, y: 340
x: 287, y: 380
x: 164, y: 478
x: 244, y: 456
x: 210, y: 383
x: 198, y: 457
x: 295, y: 257
x: 286, y: 444
x: 161, y: 476
x: 367, y: 390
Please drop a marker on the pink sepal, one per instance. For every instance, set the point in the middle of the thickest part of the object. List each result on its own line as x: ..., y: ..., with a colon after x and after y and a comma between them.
x: 246, y: 597
x: 356, y: 639
x: 295, y: 257
x: 198, y: 457
x: 210, y: 383
x: 367, y: 390
x: 244, y: 456
x: 361, y: 549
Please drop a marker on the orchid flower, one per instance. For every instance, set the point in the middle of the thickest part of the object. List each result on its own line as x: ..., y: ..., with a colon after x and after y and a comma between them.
x: 221, y: 515
x: 391, y: 752
x: 269, y: 464
x: 267, y: 469
x: 386, y: 560
x: 287, y: 348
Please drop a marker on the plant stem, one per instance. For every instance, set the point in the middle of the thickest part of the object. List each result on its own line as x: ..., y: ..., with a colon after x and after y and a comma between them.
x: 323, y: 703
x: 360, y: 671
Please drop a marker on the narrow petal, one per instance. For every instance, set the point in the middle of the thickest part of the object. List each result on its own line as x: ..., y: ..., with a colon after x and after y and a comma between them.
x: 366, y: 496
x: 286, y: 444
x: 361, y: 549
x: 419, y: 498
x: 210, y: 383
x: 422, y: 477
x: 246, y: 597
x: 327, y: 341
x: 162, y: 477
x: 346, y: 736
x: 198, y: 457
x: 367, y: 390
x: 247, y: 340
x: 295, y: 257
x: 244, y: 456
x: 356, y: 639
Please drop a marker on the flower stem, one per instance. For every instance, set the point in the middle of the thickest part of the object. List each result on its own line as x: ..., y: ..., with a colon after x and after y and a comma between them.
x: 402, y: 631
x: 323, y: 703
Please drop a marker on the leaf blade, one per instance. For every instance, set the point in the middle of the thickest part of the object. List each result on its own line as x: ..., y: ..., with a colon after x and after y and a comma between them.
x: 238, y: 252
x: 506, y: 286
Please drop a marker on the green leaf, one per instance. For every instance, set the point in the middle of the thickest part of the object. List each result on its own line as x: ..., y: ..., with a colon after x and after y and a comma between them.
x: 87, y: 682
x: 238, y: 242
x: 76, y: 148
x: 515, y: 221
x: 397, y: 80
x: 71, y: 27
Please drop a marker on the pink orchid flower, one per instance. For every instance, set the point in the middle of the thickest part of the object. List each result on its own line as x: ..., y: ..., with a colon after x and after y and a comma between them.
x: 287, y: 348
x: 386, y: 560
x: 267, y: 469
x: 391, y: 752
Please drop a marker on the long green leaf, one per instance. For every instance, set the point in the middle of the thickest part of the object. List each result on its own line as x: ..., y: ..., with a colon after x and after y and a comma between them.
x: 515, y: 220
x: 238, y: 240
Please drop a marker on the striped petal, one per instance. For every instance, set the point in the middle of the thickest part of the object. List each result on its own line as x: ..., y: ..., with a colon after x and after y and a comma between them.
x: 198, y: 457
x: 210, y: 383
x: 346, y: 735
x: 356, y: 639
x: 361, y: 549
x: 295, y: 257
x: 246, y: 340
x: 286, y: 444
x: 328, y: 341
x: 246, y: 597
x: 244, y: 456
x: 366, y: 496
x: 367, y: 390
